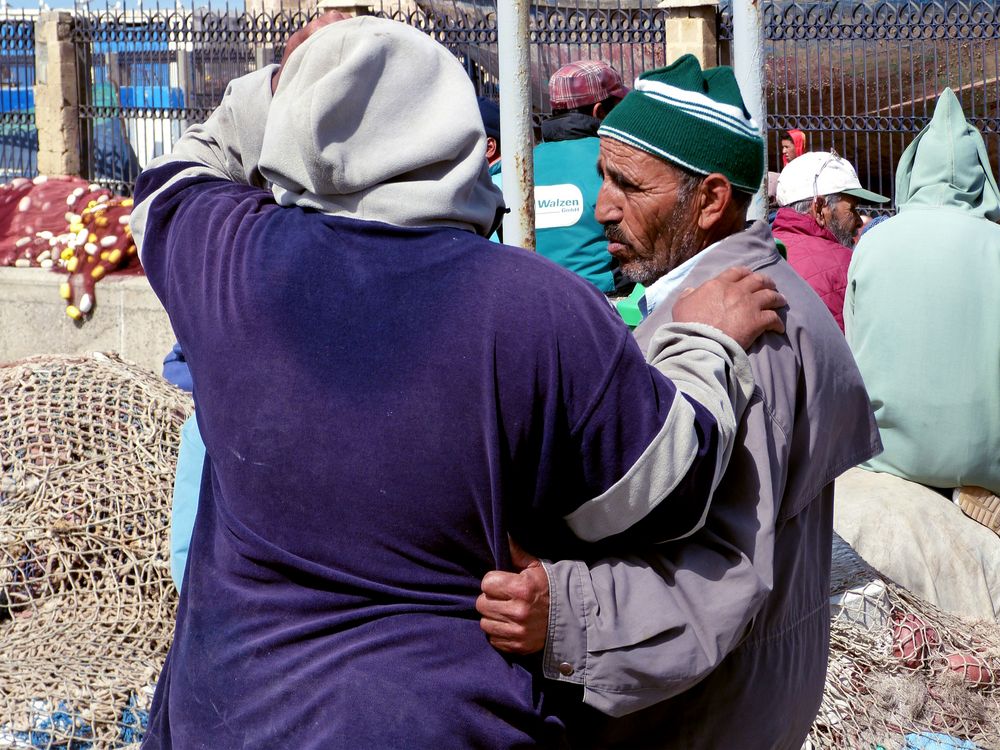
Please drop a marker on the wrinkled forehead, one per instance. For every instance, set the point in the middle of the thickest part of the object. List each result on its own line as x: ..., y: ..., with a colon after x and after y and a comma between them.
x: 628, y: 164
x: 618, y: 155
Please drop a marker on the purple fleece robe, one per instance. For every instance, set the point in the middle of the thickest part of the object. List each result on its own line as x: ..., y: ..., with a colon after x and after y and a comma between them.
x: 380, y: 406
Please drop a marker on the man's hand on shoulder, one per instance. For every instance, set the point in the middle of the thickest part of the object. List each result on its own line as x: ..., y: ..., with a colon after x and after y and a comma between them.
x: 515, y: 606
x: 740, y: 303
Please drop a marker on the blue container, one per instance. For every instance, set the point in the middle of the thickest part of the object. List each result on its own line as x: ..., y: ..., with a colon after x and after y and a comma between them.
x: 17, y: 99
x: 161, y: 97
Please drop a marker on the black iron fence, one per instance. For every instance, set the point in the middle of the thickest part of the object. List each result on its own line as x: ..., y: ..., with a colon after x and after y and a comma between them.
x: 860, y: 77
x: 18, y: 135
x: 146, y: 76
x: 863, y: 77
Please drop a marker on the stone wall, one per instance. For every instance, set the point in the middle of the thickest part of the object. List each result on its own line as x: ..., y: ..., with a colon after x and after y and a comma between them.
x: 127, y: 319
x: 691, y: 29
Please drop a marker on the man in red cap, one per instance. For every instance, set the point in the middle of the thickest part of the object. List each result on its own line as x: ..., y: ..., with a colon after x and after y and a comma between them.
x: 581, y: 93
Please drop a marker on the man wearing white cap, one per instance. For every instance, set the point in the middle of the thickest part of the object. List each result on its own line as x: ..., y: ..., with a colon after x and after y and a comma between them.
x: 819, y: 193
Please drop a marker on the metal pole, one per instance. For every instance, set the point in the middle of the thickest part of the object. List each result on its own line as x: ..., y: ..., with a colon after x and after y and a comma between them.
x: 748, y: 65
x: 516, y: 138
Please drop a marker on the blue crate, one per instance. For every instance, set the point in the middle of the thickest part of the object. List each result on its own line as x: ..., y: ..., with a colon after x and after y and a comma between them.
x: 160, y: 97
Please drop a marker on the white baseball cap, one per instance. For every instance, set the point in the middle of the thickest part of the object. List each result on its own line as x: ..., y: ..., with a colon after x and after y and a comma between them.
x: 821, y: 173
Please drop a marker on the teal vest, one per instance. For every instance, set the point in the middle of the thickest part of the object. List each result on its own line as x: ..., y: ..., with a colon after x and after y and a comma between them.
x: 566, y: 187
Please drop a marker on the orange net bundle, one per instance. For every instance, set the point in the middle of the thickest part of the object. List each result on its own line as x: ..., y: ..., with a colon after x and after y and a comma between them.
x: 67, y: 225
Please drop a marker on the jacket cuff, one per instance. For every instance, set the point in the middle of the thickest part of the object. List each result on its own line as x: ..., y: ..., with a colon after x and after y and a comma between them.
x: 565, y: 655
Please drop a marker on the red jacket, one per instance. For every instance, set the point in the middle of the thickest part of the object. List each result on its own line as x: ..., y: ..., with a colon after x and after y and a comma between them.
x: 816, y: 255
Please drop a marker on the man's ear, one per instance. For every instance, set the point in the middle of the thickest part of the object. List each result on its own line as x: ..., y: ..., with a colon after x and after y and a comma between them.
x: 492, y: 149
x: 599, y: 112
x: 816, y: 210
x: 715, y: 197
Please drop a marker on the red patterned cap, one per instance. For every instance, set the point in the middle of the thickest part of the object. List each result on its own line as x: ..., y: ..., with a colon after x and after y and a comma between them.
x: 584, y: 82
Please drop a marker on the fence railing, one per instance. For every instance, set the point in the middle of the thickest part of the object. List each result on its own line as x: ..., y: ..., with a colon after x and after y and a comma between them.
x: 863, y: 77
x: 859, y: 77
x: 18, y: 135
x: 146, y: 76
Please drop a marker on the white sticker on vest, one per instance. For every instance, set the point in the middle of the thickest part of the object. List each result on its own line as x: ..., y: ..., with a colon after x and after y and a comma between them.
x: 557, y: 206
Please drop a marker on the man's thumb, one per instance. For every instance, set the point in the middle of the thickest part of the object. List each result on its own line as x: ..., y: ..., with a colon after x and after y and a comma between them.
x: 519, y: 557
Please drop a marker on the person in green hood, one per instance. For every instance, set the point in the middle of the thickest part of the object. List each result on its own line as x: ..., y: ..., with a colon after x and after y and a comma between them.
x: 922, y: 316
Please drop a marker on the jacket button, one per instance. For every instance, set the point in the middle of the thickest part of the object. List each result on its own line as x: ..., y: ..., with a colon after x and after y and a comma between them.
x: 566, y: 669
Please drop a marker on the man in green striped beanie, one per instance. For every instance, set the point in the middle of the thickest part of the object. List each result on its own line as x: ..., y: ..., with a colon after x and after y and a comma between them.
x: 681, y: 158
x: 718, y: 639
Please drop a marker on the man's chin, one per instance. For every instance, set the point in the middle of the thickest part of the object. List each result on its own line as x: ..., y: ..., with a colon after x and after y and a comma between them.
x: 639, y: 273
x: 847, y: 242
x: 844, y: 236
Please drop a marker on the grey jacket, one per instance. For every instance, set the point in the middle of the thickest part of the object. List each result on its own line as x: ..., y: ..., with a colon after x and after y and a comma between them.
x: 720, y: 640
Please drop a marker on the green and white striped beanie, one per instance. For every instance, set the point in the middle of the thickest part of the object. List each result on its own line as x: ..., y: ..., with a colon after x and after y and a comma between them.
x: 692, y: 118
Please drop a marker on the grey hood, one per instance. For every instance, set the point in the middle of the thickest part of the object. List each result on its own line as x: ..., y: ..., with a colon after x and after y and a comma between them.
x: 374, y: 120
x: 947, y: 165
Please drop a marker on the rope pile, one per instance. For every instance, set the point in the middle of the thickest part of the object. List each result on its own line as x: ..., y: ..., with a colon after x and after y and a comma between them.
x: 88, y: 447
x: 902, y: 673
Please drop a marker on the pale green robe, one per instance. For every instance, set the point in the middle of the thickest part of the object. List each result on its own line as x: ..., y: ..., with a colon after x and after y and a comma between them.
x: 922, y: 312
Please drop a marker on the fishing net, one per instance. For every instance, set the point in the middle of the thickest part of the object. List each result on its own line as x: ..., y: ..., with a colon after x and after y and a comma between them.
x: 88, y: 447
x: 902, y: 673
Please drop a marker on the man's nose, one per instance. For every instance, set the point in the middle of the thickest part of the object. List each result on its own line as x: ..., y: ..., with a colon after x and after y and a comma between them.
x: 606, y: 210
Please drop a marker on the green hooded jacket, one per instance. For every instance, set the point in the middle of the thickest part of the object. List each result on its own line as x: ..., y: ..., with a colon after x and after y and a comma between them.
x: 922, y: 313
